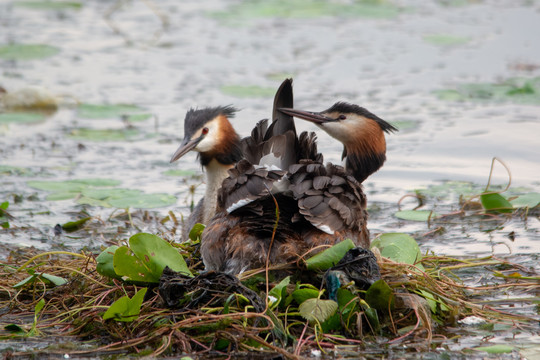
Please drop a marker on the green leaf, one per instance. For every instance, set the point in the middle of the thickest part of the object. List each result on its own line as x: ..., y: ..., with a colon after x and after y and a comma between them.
x: 103, y: 134
x: 93, y: 111
x: 495, y: 202
x: 28, y: 280
x: 430, y: 300
x: 446, y: 40
x: 180, y: 172
x: 110, y: 193
x: 196, y: 232
x: 49, y: 5
x: 39, y: 306
x: 105, y: 262
x: 71, y: 186
x: 373, y: 319
x: 317, y: 309
x: 301, y: 295
x: 126, y: 309
x: 398, y: 247
x: 143, y: 201
x: 4, y: 206
x: 75, y: 225
x: 55, y: 280
x: 279, y: 292
x: 496, y: 349
x: 21, y: 118
x: 27, y: 51
x: 15, y: 329
x: 159, y: 252
x: 416, y: 215
x: 345, y: 302
x: 529, y: 200
x: 59, y: 196
x: 138, y: 117
x: 380, y: 296
x: 127, y: 265
x: 148, y: 257
x: 329, y: 257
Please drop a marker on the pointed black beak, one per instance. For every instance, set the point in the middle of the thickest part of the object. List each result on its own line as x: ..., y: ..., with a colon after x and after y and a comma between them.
x: 314, y: 117
x: 186, y: 146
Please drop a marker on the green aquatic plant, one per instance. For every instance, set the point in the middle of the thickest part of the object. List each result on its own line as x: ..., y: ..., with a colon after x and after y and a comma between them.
x: 244, y: 12
x: 49, y: 5
x: 515, y: 90
x: 21, y: 117
x: 4, y: 215
x: 126, y: 309
x: 100, y: 192
x: 142, y: 260
x: 300, y: 314
x: 27, y: 51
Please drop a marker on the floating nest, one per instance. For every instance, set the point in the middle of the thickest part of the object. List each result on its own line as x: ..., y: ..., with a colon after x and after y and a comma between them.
x: 215, y: 314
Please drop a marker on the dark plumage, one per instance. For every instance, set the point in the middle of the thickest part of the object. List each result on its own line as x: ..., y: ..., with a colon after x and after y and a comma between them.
x: 318, y: 204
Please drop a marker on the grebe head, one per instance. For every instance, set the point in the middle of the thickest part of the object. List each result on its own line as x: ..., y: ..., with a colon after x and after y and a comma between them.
x: 209, y: 132
x: 360, y: 131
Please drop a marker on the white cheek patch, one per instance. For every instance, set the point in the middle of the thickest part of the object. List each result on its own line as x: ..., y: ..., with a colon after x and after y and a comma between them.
x: 211, y: 139
x: 339, y: 130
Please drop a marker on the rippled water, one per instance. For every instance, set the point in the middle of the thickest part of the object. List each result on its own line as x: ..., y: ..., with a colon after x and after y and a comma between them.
x: 178, y: 55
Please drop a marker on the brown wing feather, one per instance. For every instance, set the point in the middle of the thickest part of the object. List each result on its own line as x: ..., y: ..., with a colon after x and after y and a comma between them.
x: 328, y: 197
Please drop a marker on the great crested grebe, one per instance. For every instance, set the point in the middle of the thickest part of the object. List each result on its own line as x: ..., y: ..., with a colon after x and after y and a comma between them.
x: 360, y: 131
x: 209, y: 132
x: 317, y: 204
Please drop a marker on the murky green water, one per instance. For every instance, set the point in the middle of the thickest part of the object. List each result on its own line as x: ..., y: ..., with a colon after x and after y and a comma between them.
x: 406, y: 61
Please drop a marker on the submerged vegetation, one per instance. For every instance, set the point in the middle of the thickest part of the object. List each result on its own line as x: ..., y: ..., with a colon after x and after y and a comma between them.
x: 149, y: 296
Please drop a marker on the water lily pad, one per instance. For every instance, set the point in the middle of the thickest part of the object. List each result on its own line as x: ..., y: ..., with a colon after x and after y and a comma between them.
x: 143, y: 201
x: 146, y: 258
x: 105, y: 262
x: 403, y: 125
x: 114, y: 193
x: 180, y: 172
x: 496, y: 203
x: 97, y: 111
x: 76, y: 185
x: 447, y: 188
x: 529, y: 200
x: 49, y: 5
x: 21, y: 118
x: 399, y: 247
x: 16, y: 170
x: 103, y: 134
x: 515, y: 90
x: 138, y: 117
x: 27, y: 51
x: 57, y: 186
x: 446, y: 40
x: 247, y: 91
x: 249, y: 10
x: 416, y: 215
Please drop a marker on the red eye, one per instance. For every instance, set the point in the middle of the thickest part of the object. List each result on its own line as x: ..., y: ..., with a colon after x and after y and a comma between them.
x: 205, y: 131
x: 342, y: 117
